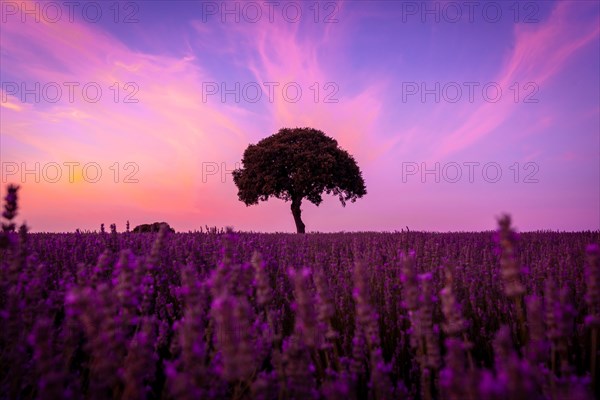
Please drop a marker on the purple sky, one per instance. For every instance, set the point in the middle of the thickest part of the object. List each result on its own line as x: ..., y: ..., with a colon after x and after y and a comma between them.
x: 475, y: 88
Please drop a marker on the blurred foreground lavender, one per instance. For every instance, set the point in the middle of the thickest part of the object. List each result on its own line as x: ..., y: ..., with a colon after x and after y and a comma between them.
x: 490, y: 315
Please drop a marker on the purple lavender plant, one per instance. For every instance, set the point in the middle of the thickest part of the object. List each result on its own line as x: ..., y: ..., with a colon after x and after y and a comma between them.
x: 9, y: 213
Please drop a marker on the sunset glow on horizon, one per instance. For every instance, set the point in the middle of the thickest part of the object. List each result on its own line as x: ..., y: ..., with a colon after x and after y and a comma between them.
x: 455, y: 113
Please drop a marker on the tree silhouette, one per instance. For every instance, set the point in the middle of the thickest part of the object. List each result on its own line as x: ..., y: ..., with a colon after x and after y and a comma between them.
x: 296, y: 164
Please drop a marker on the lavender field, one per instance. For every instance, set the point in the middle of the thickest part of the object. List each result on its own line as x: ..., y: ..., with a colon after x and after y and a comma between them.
x: 228, y: 315
x: 156, y: 156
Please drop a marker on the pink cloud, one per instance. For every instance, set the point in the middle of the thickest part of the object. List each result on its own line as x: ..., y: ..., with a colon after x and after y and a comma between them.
x: 540, y: 52
x: 167, y: 133
x: 287, y: 53
x: 171, y: 131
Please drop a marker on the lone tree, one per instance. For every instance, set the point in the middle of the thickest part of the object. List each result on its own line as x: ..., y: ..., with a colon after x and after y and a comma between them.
x: 295, y: 164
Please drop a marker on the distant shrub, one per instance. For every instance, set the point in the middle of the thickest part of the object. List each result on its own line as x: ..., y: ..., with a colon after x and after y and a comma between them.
x: 151, y: 228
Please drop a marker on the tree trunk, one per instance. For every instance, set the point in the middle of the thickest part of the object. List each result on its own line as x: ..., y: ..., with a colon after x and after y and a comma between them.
x: 296, y: 212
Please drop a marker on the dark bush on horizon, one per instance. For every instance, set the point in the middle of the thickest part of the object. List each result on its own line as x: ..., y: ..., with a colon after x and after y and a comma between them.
x: 151, y: 228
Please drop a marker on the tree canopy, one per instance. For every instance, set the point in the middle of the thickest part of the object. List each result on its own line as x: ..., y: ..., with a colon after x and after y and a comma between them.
x: 296, y: 164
